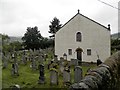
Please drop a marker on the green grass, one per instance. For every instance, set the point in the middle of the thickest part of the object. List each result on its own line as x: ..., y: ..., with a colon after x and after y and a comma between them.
x: 28, y: 78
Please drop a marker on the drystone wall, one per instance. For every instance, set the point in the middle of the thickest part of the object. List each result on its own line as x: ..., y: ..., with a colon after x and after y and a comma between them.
x: 105, y: 76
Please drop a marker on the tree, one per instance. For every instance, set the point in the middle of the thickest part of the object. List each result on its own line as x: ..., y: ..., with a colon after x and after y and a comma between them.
x: 46, y: 43
x: 5, y: 38
x: 4, y: 43
x: 32, y: 38
x: 55, y: 26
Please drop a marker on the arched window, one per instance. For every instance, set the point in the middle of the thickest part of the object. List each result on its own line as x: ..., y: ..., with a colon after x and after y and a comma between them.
x: 78, y: 37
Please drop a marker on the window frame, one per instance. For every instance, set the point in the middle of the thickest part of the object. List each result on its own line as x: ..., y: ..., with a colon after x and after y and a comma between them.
x: 89, y: 52
x: 78, y: 37
x: 69, y: 51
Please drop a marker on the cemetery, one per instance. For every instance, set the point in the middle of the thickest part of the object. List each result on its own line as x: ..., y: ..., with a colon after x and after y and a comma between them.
x: 32, y: 69
x: 77, y: 61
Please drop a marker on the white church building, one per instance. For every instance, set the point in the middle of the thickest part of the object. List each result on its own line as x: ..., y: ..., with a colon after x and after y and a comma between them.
x: 84, y: 39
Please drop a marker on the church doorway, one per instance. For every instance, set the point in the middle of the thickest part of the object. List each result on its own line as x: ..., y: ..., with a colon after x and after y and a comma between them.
x: 79, y: 54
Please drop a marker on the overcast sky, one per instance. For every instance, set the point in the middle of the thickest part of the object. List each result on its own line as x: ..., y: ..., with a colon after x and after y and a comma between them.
x: 17, y: 15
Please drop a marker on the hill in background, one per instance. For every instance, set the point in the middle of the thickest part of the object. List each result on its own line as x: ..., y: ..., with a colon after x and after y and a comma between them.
x: 13, y: 38
x: 115, y: 36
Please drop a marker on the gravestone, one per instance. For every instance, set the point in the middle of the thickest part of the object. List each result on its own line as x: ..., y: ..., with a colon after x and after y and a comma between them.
x: 77, y: 74
x: 33, y: 64
x: 30, y: 54
x: 61, y: 62
x: 14, y: 70
x: 55, y: 58
x: 41, y: 77
x: 66, y: 76
x: 61, y: 68
x: 41, y: 59
x: 53, y: 76
x: 24, y: 59
x: 74, y: 62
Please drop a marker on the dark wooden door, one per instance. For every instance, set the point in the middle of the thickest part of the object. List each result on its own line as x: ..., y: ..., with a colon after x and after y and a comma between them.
x: 79, y: 55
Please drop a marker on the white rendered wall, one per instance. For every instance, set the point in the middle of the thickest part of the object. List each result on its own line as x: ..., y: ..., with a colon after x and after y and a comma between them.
x: 94, y: 37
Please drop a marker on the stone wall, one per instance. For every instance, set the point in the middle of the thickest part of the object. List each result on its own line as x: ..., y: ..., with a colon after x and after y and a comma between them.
x: 105, y: 76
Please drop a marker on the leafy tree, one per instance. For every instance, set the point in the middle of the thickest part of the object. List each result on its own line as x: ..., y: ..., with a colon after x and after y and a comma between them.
x: 16, y: 45
x: 4, y: 42
x: 32, y: 38
x: 46, y: 43
x: 5, y: 38
x: 55, y: 26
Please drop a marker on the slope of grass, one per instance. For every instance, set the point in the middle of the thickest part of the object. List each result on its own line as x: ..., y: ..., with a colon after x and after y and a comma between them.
x: 28, y: 78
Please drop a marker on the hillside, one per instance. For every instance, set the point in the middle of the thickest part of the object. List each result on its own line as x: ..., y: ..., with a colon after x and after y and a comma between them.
x: 13, y: 38
x: 115, y: 36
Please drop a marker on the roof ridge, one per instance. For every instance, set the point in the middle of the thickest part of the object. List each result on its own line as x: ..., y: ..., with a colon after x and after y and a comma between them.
x: 87, y: 18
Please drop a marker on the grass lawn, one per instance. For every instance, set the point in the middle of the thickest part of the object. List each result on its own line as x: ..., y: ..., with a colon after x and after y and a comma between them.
x: 28, y: 78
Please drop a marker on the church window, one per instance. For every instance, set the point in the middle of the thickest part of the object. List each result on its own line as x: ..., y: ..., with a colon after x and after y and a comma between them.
x: 88, y: 51
x: 78, y: 37
x: 69, y: 51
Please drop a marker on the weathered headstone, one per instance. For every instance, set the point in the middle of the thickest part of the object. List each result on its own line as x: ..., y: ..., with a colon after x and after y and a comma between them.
x: 66, y: 76
x: 74, y: 62
x: 77, y: 74
x: 24, y: 59
x: 55, y: 58
x: 41, y: 59
x: 53, y: 76
x: 41, y: 77
x: 14, y: 70
x: 61, y: 68
x: 34, y: 65
x: 61, y: 62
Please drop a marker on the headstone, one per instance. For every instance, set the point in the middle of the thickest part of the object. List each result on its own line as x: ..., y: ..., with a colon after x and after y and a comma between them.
x: 30, y: 54
x: 34, y: 65
x: 77, y: 74
x: 74, y: 62
x: 53, y: 76
x: 66, y: 76
x: 61, y: 62
x: 41, y: 77
x: 55, y: 58
x: 24, y: 59
x: 61, y: 68
x: 14, y: 70
x: 41, y: 59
